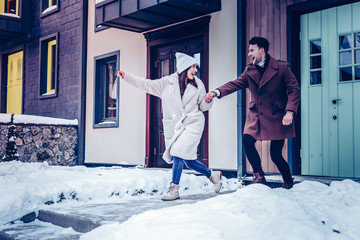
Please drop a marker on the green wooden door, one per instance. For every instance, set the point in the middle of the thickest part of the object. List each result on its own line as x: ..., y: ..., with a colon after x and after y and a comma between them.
x: 330, y: 92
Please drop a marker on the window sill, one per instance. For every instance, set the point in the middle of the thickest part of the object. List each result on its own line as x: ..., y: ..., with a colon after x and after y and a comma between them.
x: 48, y: 95
x: 49, y: 11
x: 106, y: 124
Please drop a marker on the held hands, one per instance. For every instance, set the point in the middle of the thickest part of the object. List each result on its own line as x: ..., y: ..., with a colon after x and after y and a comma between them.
x: 288, y: 118
x: 209, y: 97
x: 121, y: 74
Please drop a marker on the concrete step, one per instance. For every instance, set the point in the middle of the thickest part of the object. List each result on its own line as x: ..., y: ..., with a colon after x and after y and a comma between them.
x: 47, y: 225
x: 71, y: 221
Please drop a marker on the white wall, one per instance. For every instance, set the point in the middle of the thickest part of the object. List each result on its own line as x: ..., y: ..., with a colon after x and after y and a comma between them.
x: 125, y: 144
x: 223, y: 68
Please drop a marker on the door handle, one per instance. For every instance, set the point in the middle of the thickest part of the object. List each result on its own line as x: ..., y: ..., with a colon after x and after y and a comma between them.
x: 334, y: 101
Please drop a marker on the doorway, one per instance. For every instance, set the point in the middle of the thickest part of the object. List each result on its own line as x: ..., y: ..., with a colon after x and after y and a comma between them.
x: 190, y: 38
x: 330, y: 83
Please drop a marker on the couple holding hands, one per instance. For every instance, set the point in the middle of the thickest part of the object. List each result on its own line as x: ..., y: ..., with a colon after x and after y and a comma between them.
x: 275, y: 96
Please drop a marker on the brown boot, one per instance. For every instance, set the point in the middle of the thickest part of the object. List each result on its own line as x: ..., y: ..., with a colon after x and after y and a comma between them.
x: 288, y: 185
x: 257, y: 178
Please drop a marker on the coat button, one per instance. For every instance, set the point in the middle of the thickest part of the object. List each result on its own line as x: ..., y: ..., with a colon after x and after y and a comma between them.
x: 260, y: 103
x: 261, y: 113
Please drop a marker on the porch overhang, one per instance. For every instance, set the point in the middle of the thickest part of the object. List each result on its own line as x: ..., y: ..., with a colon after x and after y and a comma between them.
x: 145, y: 15
x: 12, y: 26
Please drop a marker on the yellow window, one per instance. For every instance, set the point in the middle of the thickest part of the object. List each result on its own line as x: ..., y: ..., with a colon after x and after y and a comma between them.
x: 52, y: 3
x: 9, y: 6
x: 51, y: 54
x: 14, y: 83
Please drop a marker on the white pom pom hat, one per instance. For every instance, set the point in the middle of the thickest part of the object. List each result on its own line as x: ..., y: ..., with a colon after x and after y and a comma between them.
x: 184, y: 61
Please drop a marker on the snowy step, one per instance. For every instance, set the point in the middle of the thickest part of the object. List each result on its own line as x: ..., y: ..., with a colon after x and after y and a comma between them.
x: 37, y: 230
x: 70, y: 222
x: 66, y: 221
x: 48, y: 225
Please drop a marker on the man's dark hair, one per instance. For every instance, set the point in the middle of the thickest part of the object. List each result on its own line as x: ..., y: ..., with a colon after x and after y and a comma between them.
x: 261, y: 42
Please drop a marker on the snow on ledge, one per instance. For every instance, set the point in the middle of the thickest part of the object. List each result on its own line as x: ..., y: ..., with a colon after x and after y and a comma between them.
x: 31, y: 119
x: 99, y: 1
x: 49, y: 9
x: 10, y: 15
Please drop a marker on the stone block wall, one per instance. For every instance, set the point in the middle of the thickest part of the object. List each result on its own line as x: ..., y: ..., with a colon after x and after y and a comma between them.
x: 55, y: 144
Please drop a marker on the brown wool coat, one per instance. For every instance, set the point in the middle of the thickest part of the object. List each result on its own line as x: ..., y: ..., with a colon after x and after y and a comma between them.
x: 271, y: 96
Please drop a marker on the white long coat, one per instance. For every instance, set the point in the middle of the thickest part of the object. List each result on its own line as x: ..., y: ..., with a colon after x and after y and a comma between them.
x: 183, y: 118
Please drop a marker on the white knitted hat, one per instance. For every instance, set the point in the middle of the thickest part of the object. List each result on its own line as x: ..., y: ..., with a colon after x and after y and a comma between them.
x: 183, y: 62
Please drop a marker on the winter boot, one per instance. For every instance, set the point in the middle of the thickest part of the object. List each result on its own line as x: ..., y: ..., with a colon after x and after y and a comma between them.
x: 288, y: 185
x: 257, y: 178
x: 215, y: 178
x: 172, y: 193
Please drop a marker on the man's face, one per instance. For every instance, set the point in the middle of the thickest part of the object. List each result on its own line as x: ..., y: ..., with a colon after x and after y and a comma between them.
x: 256, y: 54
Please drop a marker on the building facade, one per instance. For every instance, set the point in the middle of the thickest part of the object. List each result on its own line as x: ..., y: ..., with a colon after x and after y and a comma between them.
x: 41, y: 57
x: 60, y: 60
x: 136, y: 38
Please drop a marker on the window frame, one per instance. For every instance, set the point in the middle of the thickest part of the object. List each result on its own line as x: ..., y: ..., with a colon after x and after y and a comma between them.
x: 315, y: 69
x: 4, y: 5
x: 43, y: 8
x: 99, y: 120
x: 353, y: 65
x: 44, y: 92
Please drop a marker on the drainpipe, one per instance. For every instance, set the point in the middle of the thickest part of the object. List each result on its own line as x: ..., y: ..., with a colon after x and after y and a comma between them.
x: 82, y: 103
x: 241, y: 95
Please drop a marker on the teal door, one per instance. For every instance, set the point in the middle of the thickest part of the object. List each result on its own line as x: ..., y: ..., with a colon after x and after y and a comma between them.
x: 330, y: 92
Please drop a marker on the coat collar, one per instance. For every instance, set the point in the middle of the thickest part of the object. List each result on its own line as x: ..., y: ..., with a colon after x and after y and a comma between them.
x: 268, y: 74
x: 270, y: 71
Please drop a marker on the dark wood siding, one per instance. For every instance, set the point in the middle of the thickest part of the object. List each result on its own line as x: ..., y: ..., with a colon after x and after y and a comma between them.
x: 268, y: 19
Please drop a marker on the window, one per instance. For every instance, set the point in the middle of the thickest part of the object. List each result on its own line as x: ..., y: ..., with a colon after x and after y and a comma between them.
x: 315, y: 62
x: 10, y: 7
x: 349, y: 57
x: 48, y: 66
x: 49, y: 6
x: 106, y: 97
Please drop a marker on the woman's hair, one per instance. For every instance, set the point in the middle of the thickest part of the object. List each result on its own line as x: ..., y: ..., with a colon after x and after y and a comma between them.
x: 182, y: 80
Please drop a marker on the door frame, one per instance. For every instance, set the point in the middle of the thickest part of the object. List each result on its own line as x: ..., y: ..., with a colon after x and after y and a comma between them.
x: 196, y: 28
x: 4, y: 74
x: 294, y: 58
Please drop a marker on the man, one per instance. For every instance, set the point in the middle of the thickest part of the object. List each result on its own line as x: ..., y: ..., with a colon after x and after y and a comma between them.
x: 275, y: 96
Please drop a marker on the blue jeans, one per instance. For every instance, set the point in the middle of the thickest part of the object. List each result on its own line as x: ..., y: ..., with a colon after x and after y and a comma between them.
x: 178, y: 166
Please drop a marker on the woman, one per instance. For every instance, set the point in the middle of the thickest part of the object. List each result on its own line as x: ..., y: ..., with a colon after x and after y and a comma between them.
x: 183, y: 104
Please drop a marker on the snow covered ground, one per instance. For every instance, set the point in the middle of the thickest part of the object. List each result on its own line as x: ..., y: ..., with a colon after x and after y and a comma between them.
x: 311, y: 210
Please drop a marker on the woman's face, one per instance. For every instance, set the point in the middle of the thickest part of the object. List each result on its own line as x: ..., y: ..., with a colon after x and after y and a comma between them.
x: 191, y: 72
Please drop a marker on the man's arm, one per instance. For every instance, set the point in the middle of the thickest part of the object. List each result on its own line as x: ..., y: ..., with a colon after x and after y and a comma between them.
x: 239, y: 83
x: 293, y: 89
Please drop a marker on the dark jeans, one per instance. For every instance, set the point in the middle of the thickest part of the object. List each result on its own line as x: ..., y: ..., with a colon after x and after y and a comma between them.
x: 193, y: 164
x: 275, y: 153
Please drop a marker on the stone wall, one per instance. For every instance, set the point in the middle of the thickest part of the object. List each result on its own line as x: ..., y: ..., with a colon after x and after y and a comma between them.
x: 55, y: 144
